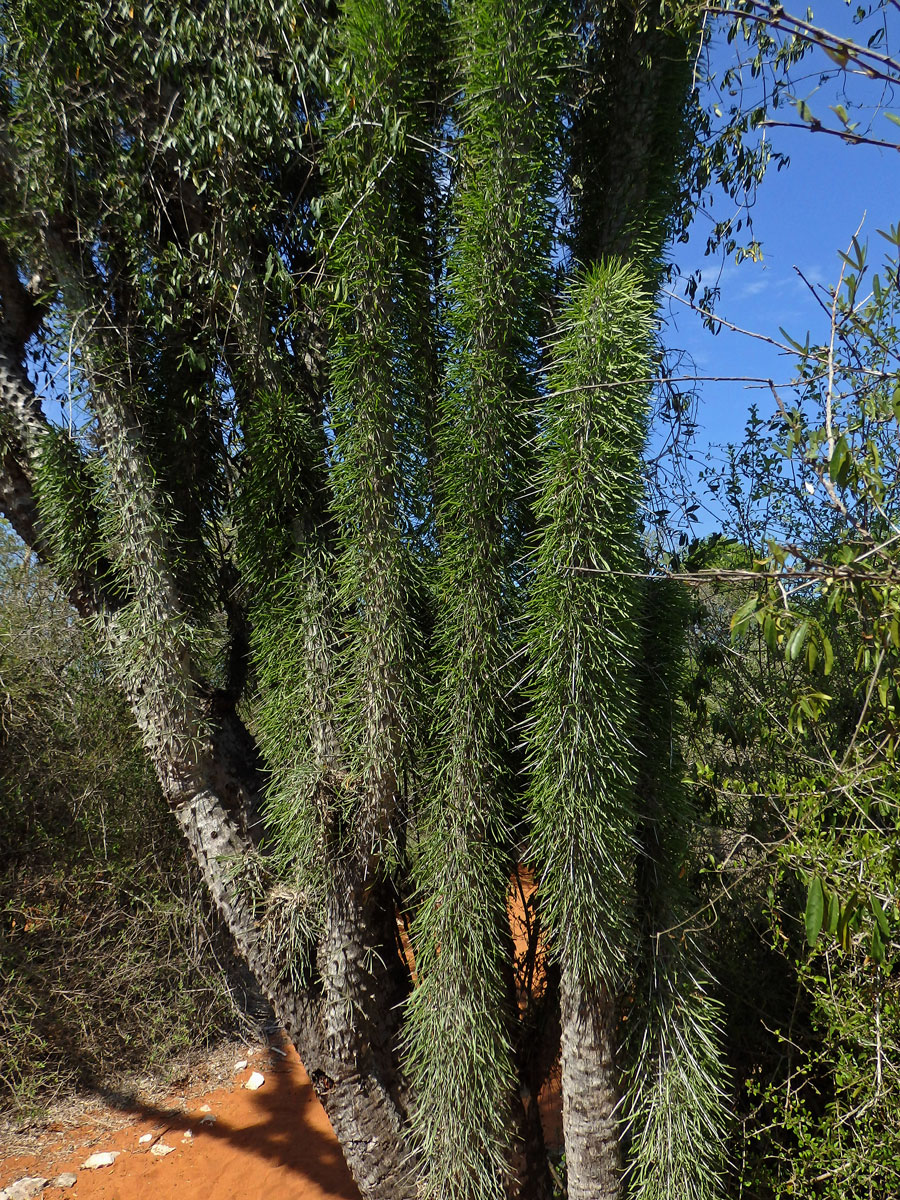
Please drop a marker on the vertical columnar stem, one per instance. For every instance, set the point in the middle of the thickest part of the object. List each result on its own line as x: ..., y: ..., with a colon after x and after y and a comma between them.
x: 584, y: 643
x: 502, y: 219
x: 675, y: 1103
x: 375, y: 172
x: 590, y: 1091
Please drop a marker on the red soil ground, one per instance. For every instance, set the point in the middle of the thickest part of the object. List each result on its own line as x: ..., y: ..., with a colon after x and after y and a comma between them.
x: 272, y: 1143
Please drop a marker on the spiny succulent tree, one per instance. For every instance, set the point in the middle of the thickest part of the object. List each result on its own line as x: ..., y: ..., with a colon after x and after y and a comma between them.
x: 324, y: 376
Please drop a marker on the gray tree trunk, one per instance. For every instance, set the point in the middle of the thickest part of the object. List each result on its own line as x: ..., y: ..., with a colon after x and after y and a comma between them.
x: 334, y: 1026
x: 590, y: 1093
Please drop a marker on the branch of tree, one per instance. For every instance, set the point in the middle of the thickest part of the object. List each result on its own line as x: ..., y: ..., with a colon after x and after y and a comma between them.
x: 852, y: 139
x: 774, y: 17
x: 22, y: 312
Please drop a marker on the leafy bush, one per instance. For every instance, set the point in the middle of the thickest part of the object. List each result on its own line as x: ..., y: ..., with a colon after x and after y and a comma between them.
x: 110, y: 956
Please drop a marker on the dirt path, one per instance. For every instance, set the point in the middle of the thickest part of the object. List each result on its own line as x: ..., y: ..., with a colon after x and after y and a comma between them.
x: 271, y: 1144
x: 274, y: 1142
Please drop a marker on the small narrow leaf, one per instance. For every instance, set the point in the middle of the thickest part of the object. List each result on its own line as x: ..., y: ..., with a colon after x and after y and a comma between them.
x: 880, y: 916
x: 828, y: 652
x: 845, y: 922
x: 832, y: 912
x: 838, y: 458
x: 843, y: 932
x: 797, y: 640
x: 877, y: 948
x: 815, y: 910
x: 801, y: 349
x: 770, y: 631
x: 742, y: 615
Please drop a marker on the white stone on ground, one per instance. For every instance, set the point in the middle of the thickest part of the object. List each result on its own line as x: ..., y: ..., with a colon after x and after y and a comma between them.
x: 255, y: 1081
x: 25, y: 1189
x: 105, y: 1158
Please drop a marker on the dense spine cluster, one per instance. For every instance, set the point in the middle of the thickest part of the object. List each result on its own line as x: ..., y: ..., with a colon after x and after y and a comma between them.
x: 373, y: 166
x: 584, y: 646
x: 497, y: 278
x: 675, y: 1101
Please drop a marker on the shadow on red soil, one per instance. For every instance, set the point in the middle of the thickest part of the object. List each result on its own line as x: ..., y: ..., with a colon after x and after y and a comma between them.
x: 274, y: 1142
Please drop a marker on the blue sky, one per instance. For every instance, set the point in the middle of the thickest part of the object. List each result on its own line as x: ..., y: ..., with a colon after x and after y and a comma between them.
x: 803, y: 216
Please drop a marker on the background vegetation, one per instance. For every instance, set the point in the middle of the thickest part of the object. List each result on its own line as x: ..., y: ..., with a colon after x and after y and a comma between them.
x: 112, y: 960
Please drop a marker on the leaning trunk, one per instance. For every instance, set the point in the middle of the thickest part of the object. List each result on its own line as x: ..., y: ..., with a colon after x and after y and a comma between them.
x: 205, y: 761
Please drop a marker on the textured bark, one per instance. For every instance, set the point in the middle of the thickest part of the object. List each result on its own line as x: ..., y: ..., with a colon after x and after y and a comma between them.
x: 333, y: 1042
x: 22, y: 313
x: 360, y: 1092
x: 590, y: 1093
x: 627, y: 137
x: 17, y: 501
x: 23, y: 421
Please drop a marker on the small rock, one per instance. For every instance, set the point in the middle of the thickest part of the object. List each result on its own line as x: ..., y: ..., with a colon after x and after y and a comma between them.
x: 26, y: 1188
x: 205, y: 1108
x: 145, y: 1138
x: 209, y: 1119
x: 240, y: 1065
x: 66, y: 1180
x: 104, y: 1159
x: 161, y: 1149
x: 255, y: 1081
